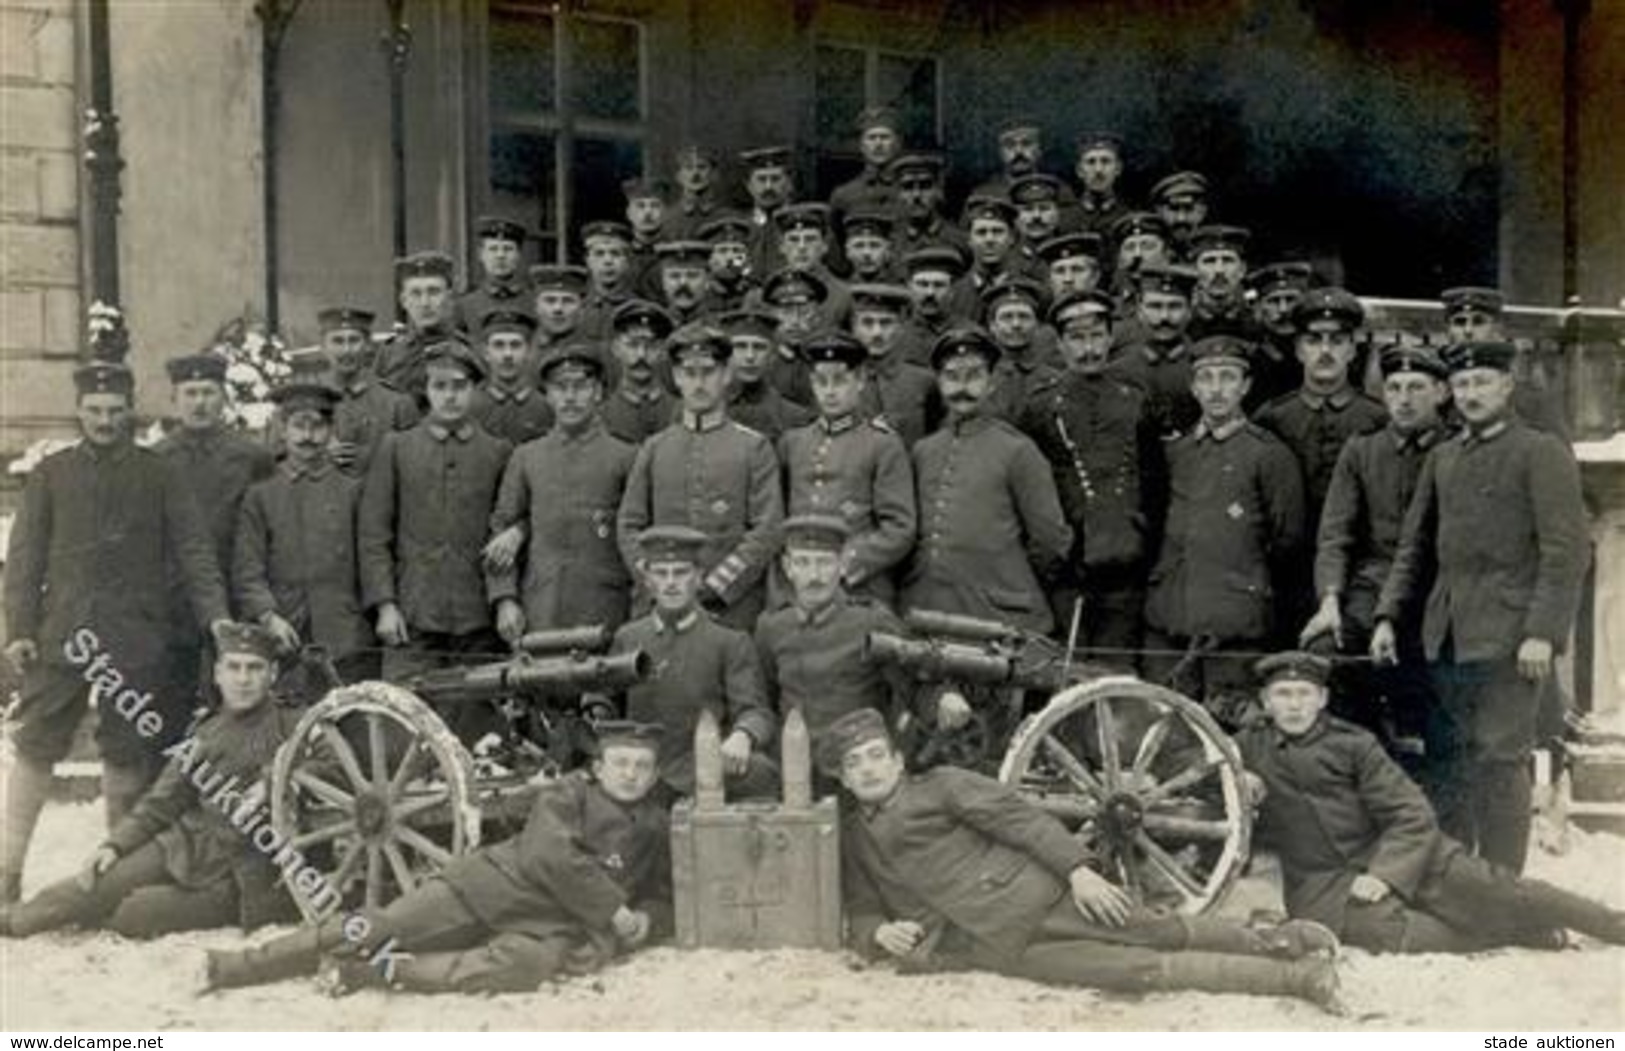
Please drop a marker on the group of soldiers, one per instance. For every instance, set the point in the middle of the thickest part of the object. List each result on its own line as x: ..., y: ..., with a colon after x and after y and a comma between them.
x: 746, y: 439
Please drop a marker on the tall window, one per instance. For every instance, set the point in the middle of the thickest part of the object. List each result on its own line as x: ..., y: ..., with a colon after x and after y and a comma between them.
x: 568, y: 107
x: 850, y: 77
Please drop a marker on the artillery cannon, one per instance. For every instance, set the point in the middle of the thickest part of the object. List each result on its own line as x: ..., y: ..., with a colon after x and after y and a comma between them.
x: 1144, y: 774
x: 375, y: 793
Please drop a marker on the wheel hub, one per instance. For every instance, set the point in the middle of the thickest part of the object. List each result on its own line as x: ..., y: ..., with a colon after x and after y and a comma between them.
x: 371, y: 816
x: 1122, y: 815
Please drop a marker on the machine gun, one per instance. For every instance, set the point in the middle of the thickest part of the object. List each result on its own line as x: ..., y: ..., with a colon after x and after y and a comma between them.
x: 993, y: 664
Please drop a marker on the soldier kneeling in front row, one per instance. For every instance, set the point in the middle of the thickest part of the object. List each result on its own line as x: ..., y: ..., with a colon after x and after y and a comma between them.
x: 950, y: 869
x: 587, y: 879
x: 1360, y: 847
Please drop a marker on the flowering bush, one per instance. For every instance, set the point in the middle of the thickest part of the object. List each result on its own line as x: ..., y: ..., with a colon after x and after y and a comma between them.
x: 256, y: 363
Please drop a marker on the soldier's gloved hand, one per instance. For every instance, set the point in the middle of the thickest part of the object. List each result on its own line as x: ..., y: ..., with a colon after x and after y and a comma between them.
x: 1384, y: 645
x: 953, y: 711
x: 1099, y: 899
x: 630, y: 925
x: 1367, y: 887
x: 21, y: 653
x: 392, y: 626
x: 736, y: 753
x: 1328, y: 620
x: 287, y: 639
x: 899, y: 937
x: 1535, y: 659
x: 99, y: 863
x: 510, y: 620
x: 503, y: 549
x: 1256, y: 790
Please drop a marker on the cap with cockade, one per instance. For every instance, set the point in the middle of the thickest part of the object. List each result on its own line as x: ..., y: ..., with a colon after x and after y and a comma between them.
x: 1293, y: 276
x: 1472, y: 297
x: 306, y: 395
x: 892, y: 298
x: 1397, y: 357
x: 961, y: 340
x: 729, y: 228
x: 610, y: 733
x: 103, y: 377
x: 237, y: 637
x: 1222, y: 349
x: 332, y: 319
x: 1328, y: 304
x: 498, y: 228
x: 1082, y: 245
x: 455, y: 353
x: 554, y: 277
x: 699, y: 339
x: 671, y: 543
x: 1295, y: 665
x: 833, y: 348
x: 584, y: 356
x: 191, y: 368
x: 1179, y: 185
x: 789, y: 288
x: 1214, y: 236
x: 642, y: 314
x: 1076, y: 305
x: 819, y: 532
x: 507, y: 320
x: 1480, y: 354
x: 425, y: 264
x: 848, y: 732
x: 1136, y: 223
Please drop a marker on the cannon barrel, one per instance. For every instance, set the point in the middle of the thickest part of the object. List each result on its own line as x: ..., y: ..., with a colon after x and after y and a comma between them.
x: 570, y: 672
x: 959, y: 626
x: 591, y: 638
x: 933, y: 660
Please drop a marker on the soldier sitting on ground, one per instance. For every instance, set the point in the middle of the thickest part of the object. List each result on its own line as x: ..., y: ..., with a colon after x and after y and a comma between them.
x: 180, y: 860
x: 586, y: 880
x: 1361, y: 850
x: 950, y: 869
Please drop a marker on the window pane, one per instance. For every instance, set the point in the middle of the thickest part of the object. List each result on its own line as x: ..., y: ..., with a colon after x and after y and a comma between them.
x: 839, y: 92
x: 599, y: 168
x: 604, y: 69
x: 909, y: 83
x: 521, y: 62
x: 522, y: 179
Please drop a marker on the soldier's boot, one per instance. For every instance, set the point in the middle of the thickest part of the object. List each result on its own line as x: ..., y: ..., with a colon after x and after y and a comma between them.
x: 27, y: 784
x: 289, y: 956
x: 62, y: 904
x: 1280, y: 939
x: 1547, y: 906
x: 1314, y: 980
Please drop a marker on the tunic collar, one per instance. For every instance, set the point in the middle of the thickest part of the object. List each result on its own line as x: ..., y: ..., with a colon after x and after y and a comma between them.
x: 504, y: 287
x: 441, y: 433
x: 971, y: 424
x: 312, y: 472
x: 1156, y: 354
x: 1477, y: 435
x: 703, y: 422
x: 682, y: 624
x: 839, y: 424
x: 518, y: 395
x: 588, y: 432
x: 1421, y: 440
x: 819, y: 617
x: 1339, y: 399
x: 1316, y: 730
x: 1223, y: 432
x: 641, y: 395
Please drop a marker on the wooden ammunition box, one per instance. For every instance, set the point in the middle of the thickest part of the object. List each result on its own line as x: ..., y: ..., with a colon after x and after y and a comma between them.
x: 757, y: 875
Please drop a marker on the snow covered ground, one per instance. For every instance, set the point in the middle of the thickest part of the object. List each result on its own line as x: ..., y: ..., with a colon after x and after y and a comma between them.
x: 77, y: 981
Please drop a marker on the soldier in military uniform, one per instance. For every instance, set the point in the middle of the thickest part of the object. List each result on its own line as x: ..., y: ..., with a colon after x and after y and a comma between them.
x: 639, y: 405
x: 1181, y: 201
x: 683, y: 274
x: 646, y: 216
x: 607, y: 252
x: 1474, y: 314
x: 1219, y: 256
x: 1371, y: 488
x: 991, y: 527
x: 700, y: 664
x: 1361, y: 851
x: 587, y: 879
x: 950, y: 869
x: 804, y: 244
x: 217, y: 464
x: 813, y: 650
x: 920, y: 198
x: 1139, y: 241
x: 1161, y: 364
x: 770, y: 187
x: 729, y: 283
x: 866, y: 242
x: 558, y: 502
x: 424, y: 283
x: 696, y: 203
x: 1037, y: 198
x: 294, y: 569
x: 880, y: 140
x: 851, y: 467
x: 1235, y: 520
x: 1276, y: 289
x: 1071, y: 263
x: 1319, y: 418
x: 759, y: 374
x: 801, y: 301
x: 709, y: 473
x: 1021, y: 148
x: 425, y: 508
x: 1099, y: 167
x: 507, y: 404
x: 991, y: 222
x: 1498, y: 512
x: 502, y: 285
x: 898, y: 391
x: 932, y: 275
x: 559, y: 294
x: 1106, y: 458
x: 1013, y: 309
x: 87, y: 591
x: 179, y: 860
x: 367, y: 408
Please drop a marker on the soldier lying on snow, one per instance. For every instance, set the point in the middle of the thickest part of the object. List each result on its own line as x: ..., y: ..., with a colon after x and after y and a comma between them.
x: 587, y: 879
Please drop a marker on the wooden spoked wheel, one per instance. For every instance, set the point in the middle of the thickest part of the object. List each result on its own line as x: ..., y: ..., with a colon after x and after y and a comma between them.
x: 375, y: 793
x: 1148, y: 779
